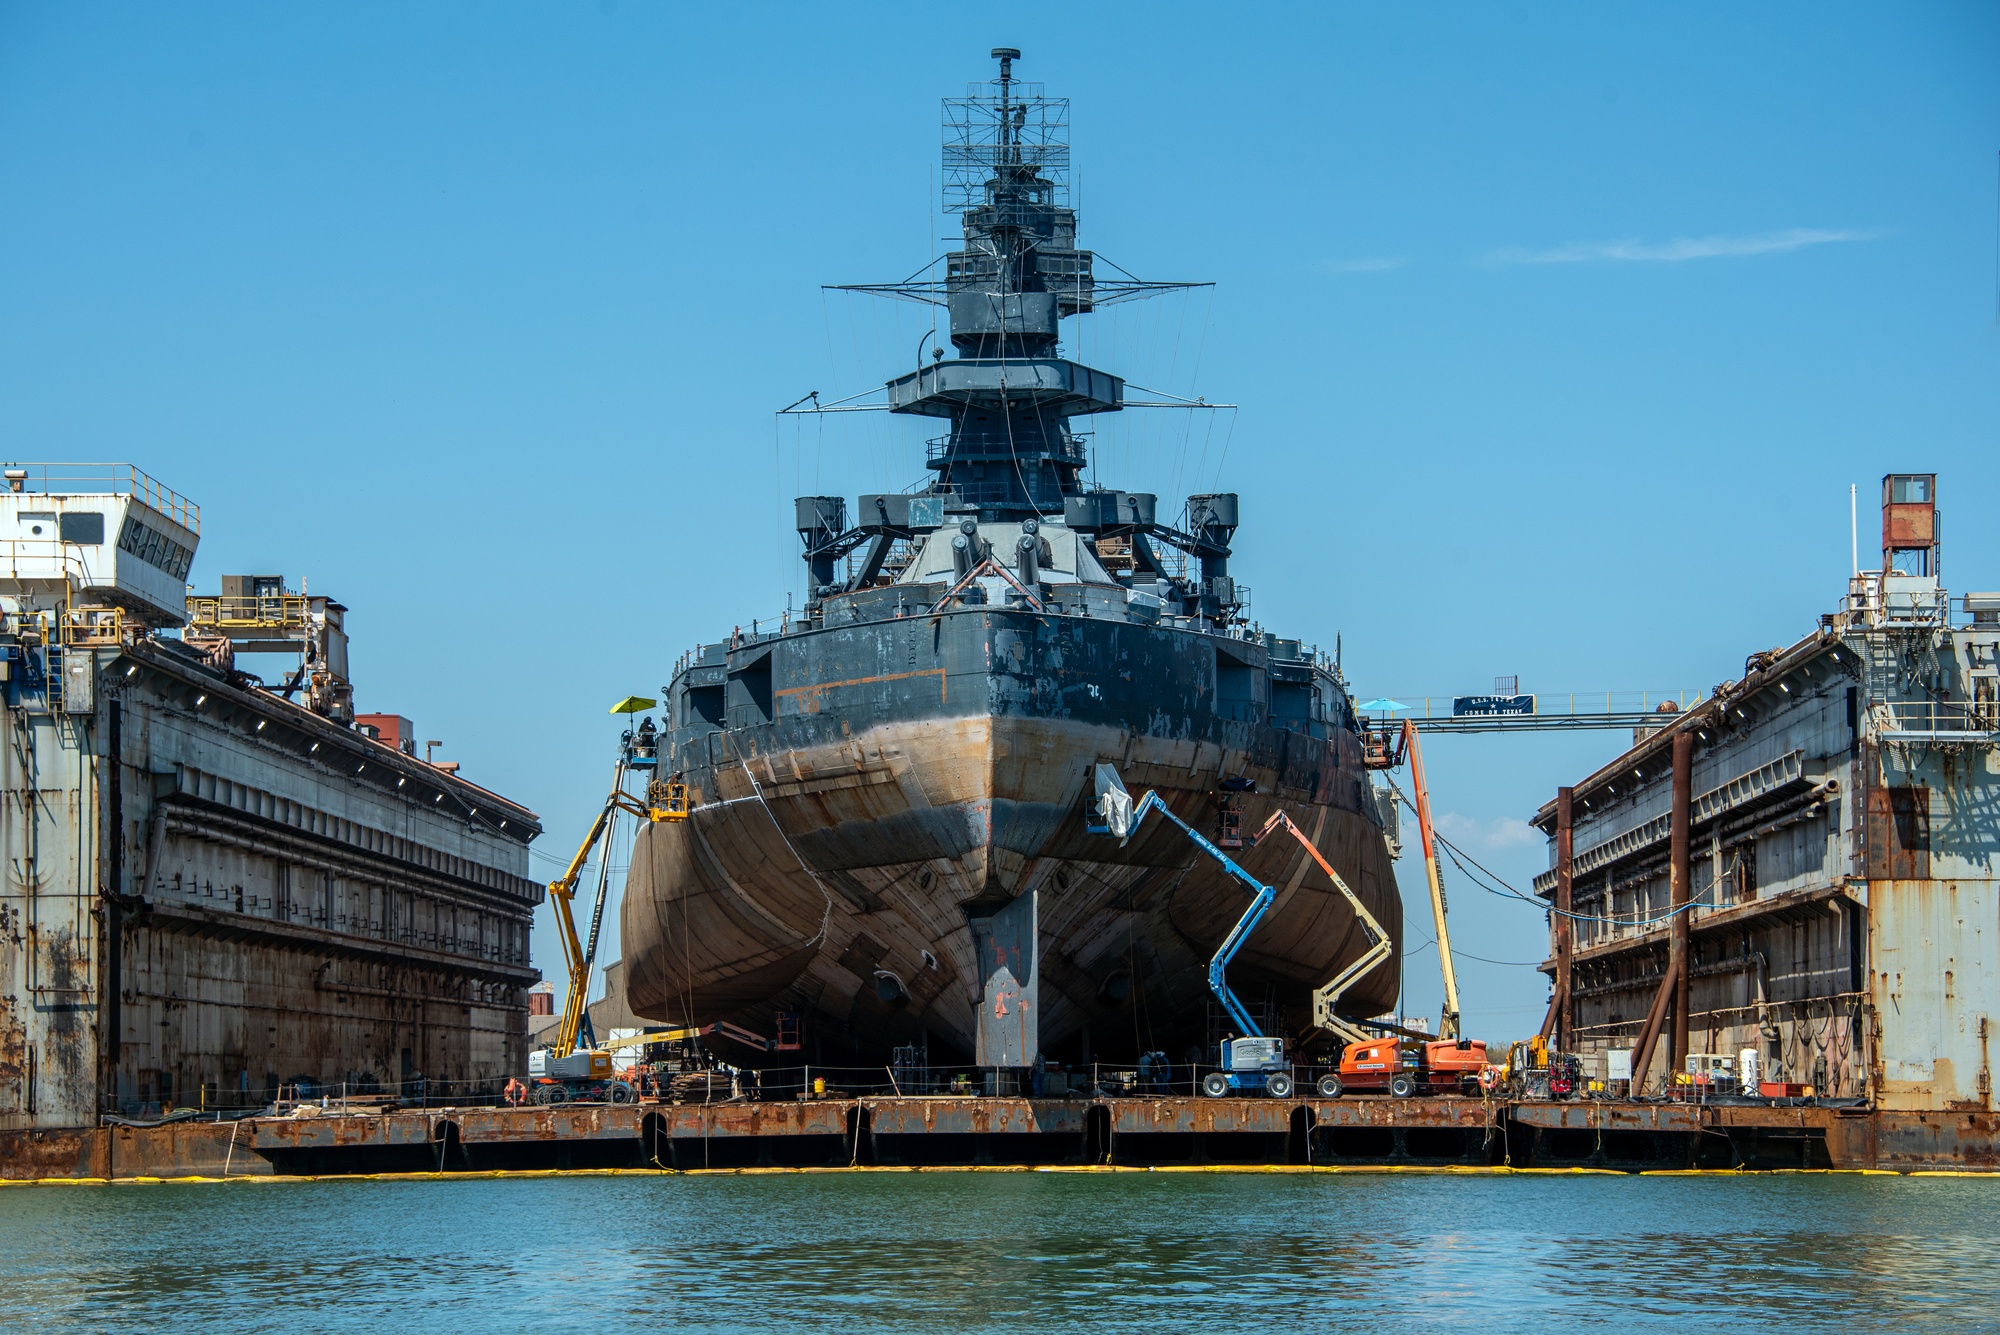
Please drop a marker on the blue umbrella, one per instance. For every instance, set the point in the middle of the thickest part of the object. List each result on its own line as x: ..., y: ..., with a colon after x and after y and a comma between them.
x: 1384, y: 706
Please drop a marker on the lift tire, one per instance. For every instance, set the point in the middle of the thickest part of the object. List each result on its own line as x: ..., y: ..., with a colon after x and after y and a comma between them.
x: 1278, y: 1085
x: 1402, y: 1086
x: 1215, y: 1084
x: 1329, y: 1086
x: 620, y: 1092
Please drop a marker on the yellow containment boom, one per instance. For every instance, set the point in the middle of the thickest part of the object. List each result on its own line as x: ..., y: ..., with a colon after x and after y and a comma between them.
x: 1379, y: 948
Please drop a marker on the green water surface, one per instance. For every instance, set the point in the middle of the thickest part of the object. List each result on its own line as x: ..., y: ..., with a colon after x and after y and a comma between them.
x: 861, y: 1252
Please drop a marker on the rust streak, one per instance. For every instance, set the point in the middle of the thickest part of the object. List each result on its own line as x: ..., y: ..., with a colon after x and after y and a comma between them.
x: 811, y: 697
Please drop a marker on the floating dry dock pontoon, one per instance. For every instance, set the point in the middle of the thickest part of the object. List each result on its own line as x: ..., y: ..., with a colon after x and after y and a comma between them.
x: 950, y: 1131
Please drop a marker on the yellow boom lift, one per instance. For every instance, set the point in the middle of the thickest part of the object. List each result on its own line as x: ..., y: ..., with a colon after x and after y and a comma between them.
x: 664, y: 801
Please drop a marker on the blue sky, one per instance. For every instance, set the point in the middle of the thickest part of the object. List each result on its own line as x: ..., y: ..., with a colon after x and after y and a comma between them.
x: 1558, y: 332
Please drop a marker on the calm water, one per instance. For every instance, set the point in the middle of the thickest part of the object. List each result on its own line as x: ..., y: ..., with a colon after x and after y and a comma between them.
x: 1011, y: 1252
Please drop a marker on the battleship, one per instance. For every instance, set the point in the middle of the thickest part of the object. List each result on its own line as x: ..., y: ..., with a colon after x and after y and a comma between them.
x: 888, y: 846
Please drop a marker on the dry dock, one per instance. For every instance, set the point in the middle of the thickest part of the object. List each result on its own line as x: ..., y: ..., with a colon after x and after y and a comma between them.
x: 944, y: 1132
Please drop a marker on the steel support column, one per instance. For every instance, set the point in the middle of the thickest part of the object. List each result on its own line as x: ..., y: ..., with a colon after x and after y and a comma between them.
x: 1565, y: 925
x: 1678, y: 887
x: 1649, y: 1032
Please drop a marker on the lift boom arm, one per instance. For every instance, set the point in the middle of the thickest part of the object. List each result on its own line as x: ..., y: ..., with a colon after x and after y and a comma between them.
x: 723, y: 1027
x: 1379, y: 947
x: 1448, y: 1026
x: 563, y: 889
x: 1261, y: 897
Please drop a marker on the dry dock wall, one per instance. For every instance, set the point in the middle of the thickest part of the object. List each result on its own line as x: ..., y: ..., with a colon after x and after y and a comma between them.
x: 1842, y: 832
x: 210, y: 891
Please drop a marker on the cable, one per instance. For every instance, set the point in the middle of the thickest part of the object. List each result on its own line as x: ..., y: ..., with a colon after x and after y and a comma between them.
x: 1458, y: 954
x: 826, y: 919
x: 1493, y: 885
x: 1506, y: 891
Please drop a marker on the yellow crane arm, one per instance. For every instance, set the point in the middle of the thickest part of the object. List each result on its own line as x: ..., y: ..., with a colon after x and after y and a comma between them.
x: 563, y: 889
x: 1379, y: 949
x: 723, y: 1027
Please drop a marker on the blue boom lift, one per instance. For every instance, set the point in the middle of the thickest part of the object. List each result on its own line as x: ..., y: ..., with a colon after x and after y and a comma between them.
x: 1252, y: 1062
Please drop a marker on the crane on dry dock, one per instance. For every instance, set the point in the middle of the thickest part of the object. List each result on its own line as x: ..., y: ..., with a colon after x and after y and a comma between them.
x: 1384, y: 749
x: 638, y: 753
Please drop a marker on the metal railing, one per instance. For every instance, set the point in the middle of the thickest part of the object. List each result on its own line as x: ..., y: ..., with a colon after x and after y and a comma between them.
x: 1549, y: 710
x: 1915, y: 720
x: 106, y: 479
x: 209, y: 1099
x: 1068, y: 449
x: 287, y: 612
x: 93, y: 627
x: 47, y: 559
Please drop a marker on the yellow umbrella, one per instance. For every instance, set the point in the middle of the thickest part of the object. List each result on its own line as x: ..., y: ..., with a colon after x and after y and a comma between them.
x: 632, y: 704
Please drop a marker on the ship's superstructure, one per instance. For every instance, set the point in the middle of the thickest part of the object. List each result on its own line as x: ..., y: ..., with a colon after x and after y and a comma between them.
x: 891, y: 787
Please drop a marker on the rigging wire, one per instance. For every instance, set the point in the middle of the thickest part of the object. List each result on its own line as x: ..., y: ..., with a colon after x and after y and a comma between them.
x: 1492, y: 884
x: 1509, y: 892
x: 1458, y: 954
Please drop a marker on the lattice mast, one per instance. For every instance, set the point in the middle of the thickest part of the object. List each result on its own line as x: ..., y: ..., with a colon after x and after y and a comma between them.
x: 1006, y: 174
x: 1010, y: 453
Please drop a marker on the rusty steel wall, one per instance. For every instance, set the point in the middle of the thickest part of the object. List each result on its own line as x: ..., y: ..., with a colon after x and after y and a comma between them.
x: 1853, y: 938
x: 937, y: 1131
x: 49, y: 945
x: 210, y: 891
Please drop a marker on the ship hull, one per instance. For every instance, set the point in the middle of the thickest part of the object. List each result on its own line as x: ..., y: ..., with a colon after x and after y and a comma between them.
x: 874, y: 788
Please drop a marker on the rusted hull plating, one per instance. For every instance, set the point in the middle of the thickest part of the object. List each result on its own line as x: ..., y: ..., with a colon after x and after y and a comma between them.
x: 837, y: 851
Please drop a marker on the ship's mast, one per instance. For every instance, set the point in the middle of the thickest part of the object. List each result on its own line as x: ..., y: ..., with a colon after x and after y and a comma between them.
x: 1008, y: 396
x: 1009, y: 452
